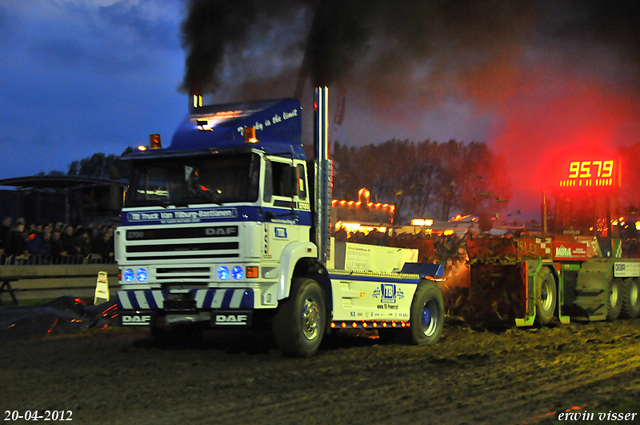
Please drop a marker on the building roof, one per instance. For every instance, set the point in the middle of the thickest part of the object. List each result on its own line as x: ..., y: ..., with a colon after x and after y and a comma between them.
x: 57, y: 182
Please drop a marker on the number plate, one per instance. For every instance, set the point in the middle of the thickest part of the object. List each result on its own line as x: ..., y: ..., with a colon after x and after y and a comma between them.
x: 179, y: 302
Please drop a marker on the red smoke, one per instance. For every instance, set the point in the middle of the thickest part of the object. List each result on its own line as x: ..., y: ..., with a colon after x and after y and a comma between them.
x: 560, y: 118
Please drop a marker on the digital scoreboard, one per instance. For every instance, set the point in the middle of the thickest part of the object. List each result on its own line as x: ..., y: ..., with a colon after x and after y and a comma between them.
x: 602, y: 173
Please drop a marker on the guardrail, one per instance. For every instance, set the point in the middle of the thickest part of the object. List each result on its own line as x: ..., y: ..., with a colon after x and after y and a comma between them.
x: 60, y: 259
x: 33, y: 282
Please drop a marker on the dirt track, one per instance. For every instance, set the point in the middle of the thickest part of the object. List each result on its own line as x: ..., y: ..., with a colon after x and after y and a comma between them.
x: 514, y: 376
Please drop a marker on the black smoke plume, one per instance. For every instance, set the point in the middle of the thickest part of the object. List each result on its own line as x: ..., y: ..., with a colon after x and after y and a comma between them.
x: 401, y: 49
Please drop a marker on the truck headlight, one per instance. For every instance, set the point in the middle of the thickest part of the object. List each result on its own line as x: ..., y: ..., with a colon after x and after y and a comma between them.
x: 128, y: 275
x: 223, y: 273
x: 237, y: 273
x: 141, y: 275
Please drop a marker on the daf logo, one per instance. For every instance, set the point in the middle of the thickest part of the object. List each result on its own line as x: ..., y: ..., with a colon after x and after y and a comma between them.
x: 222, y: 231
x: 141, y: 320
x: 231, y: 319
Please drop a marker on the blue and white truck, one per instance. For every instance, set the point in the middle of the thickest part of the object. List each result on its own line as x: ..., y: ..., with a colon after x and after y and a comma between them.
x: 228, y: 227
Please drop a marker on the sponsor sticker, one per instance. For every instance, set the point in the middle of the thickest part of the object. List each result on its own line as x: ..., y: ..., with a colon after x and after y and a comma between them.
x: 280, y: 232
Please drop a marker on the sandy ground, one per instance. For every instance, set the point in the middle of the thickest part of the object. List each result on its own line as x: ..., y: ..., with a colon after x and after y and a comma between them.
x: 507, y: 376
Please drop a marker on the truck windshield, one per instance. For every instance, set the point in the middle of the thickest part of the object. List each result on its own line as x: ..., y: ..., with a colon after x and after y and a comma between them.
x: 194, y: 180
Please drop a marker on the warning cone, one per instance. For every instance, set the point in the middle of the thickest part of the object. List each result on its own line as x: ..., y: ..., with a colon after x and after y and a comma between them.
x: 102, y: 288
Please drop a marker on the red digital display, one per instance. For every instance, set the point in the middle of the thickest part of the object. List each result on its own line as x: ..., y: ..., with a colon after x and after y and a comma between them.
x: 588, y: 174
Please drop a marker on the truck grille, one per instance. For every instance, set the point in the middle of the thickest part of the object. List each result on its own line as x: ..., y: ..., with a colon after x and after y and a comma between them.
x: 189, y: 243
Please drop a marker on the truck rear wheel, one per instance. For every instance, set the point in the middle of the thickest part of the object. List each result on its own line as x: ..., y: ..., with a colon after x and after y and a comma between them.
x: 299, y: 324
x: 427, y: 314
x: 546, y: 296
x: 614, y: 299
x: 630, y: 298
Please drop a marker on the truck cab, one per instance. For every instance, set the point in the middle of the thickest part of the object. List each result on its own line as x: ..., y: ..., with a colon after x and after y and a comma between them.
x: 228, y: 228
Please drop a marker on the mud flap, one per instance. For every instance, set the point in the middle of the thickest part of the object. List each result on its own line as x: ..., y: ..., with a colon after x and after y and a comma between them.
x: 591, y: 289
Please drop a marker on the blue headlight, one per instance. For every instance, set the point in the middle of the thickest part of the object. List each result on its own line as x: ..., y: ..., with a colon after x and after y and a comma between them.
x: 141, y: 275
x: 128, y: 275
x: 223, y: 273
x: 237, y: 273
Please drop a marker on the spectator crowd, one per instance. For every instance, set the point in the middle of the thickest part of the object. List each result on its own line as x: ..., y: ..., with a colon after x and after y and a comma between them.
x: 46, y: 243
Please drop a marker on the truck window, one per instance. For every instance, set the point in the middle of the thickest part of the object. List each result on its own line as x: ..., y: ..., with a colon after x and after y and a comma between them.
x: 190, y: 180
x: 302, y: 188
x: 282, y: 179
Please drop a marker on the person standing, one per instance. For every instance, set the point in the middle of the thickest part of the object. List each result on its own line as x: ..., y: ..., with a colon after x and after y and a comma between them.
x: 5, y: 229
x: 15, y: 246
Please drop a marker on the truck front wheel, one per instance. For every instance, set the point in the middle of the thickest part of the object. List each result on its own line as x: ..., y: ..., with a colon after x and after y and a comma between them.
x: 631, y: 298
x: 427, y: 314
x: 299, y: 324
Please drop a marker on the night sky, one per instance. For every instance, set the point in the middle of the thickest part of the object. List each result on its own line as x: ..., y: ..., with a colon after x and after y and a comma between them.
x: 534, y: 79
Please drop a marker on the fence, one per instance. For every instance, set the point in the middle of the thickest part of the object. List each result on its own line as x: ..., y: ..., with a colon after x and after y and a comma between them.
x: 42, y: 282
x: 54, y: 260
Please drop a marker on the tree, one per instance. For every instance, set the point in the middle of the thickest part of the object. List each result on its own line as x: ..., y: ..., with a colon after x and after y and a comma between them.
x: 101, y: 165
x: 424, y: 179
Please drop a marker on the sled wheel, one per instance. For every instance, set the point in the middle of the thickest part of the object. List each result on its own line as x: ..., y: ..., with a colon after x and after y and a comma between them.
x: 300, y: 322
x: 614, y: 292
x: 427, y: 314
x: 546, y: 296
x: 630, y: 298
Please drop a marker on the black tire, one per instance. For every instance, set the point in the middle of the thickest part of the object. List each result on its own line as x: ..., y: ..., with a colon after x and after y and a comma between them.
x: 427, y: 314
x: 614, y: 298
x: 630, y: 298
x: 546, y: 296
x: 300, y: 322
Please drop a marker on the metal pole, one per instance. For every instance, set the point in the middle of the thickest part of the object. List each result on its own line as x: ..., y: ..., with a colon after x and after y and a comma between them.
x: 322, y: 174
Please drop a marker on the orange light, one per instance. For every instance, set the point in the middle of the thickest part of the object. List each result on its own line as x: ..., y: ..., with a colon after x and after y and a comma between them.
x: 250, y: 135
x: 344, y: 325
x: 333, y: 325
x: 384, y: 324
x: 393, y: 324
x: 361, y: 294
x: 354, y: 324
x: 253, y: 271
x: 154, y: 141
x: 142, y: 148
x: 364, y: 325
x: 375, y: 325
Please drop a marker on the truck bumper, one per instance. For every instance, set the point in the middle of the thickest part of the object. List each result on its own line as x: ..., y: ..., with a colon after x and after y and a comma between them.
x: 205, y: 299
x: 209, y: 307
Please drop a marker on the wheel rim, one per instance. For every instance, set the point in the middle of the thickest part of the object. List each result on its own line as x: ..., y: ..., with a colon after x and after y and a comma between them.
x: 613, y: 298
x: 546, y: 297
x: 633, y: 293
x: 310, y: 319
x: 429, y: 317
